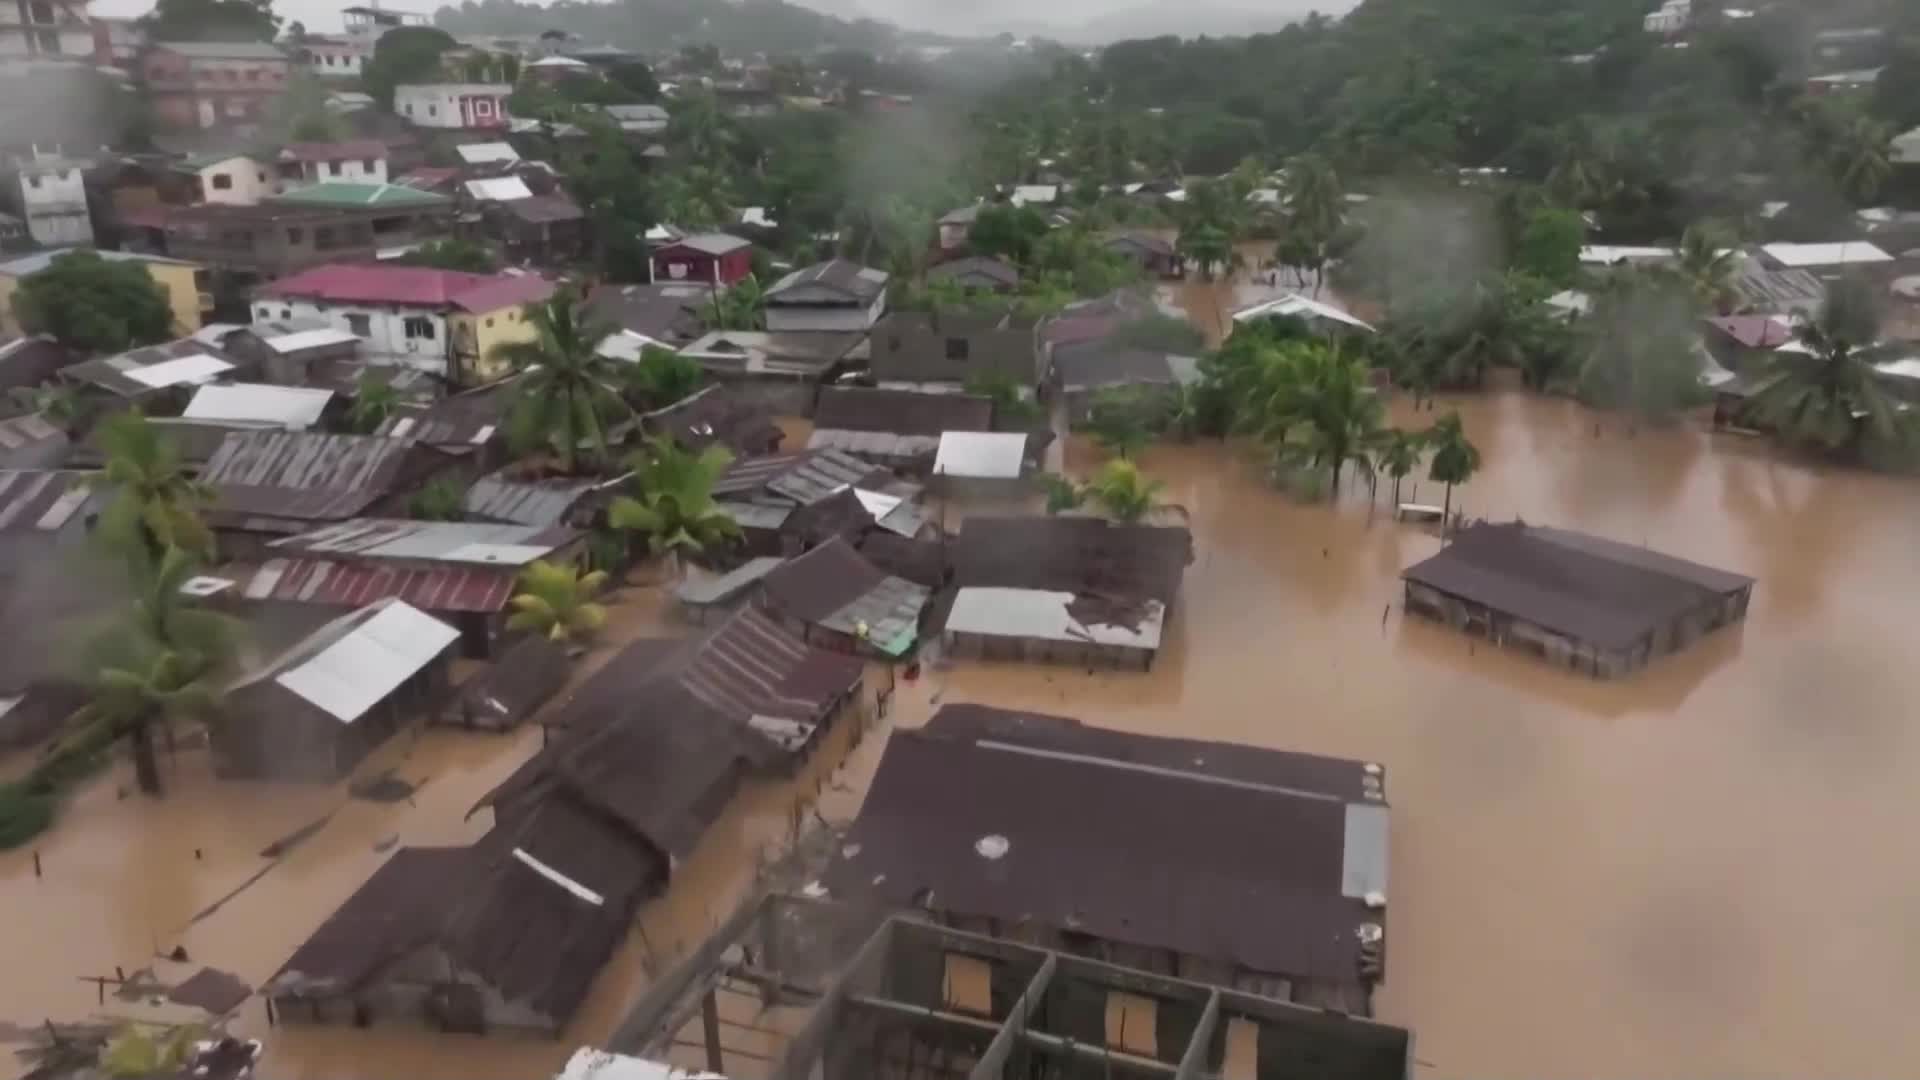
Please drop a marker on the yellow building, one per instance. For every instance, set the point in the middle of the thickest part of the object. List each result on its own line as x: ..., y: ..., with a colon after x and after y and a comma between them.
x: 181, y: 280
x: 477, y: 334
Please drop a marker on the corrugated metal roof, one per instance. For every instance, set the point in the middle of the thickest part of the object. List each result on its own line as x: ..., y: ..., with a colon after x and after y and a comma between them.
x: 884, y: 445
x: 294, y: 407
x: 42, y: 500
x: 755, y: 515
x: 28, y: 430
x: 836, y: 281
x: 988, y: 455
x: 835, y: 587
x: 719, y: 590
x: 819, y: 474
x: 306, y: 339
x: 499, y: 189
x: 1046, y: 615
x: 360, y: 668
x: 301, y: 475
x: 483, y: 153
x: 339, y: 584
x: 464, y: 542
x: 497, y: 497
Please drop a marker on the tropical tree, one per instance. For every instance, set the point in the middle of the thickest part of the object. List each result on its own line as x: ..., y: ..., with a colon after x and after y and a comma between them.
x: 741, y: 306
x: 374, y: 401
x: 1062, y: 493
x: 1123, y: 419
x: 1706, y: 261
x: 156, y: 663
x: 1313, y: 404
x: 673, y: 507
x: 1860, y: 157
x: 1123, y: 492
x: 556, y: 601
x: 92, y: 305
x: 1209, y: 247
x: 565, y: 396
x: 156, y: 502
x: 1316, y: 202
x: 1399, y: 455
x: 1827, y: 393
x: 1013, y: 406
x: 1455, y: 458
x: 662, y: 377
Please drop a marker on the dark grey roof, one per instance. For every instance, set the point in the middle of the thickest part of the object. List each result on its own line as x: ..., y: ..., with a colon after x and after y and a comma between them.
x: 1082, y: 555
x: 902, y: 412
x: 29, y: 361
x: 502, y: 496
x: 666, y: 312
x: 300, y: 475
x: 1095, y: 364
x: 542, y: 209
x: 836, y: 281
x: 998, y: 273
x: 1142, y: 242
x: 1593, y: 589
x: 798, y: 479
x: 1078, y: 811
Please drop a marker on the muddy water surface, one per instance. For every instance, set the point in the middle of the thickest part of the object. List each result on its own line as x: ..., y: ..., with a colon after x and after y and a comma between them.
x: 1699, y: 871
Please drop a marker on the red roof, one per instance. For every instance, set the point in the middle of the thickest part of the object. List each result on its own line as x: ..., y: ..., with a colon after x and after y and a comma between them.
x: 334, y: 151
x: 339, y: 584
x: 416, y: 286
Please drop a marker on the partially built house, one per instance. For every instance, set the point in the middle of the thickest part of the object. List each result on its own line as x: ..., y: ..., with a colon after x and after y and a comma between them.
x: 1582, y: 602
x: 1236, y: 866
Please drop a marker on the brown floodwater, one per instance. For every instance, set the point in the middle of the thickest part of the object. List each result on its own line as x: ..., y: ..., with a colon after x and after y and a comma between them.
x: 1669, y: 874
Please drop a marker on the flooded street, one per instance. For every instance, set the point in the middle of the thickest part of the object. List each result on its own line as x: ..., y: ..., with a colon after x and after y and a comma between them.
x: 1667, y: 875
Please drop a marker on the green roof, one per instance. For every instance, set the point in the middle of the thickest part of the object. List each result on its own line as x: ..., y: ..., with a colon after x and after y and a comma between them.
x: 342, y: 193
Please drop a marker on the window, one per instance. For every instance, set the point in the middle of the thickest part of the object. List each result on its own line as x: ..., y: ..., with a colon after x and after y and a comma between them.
x: 296, y: 235
x: 33, y: 181
x: 360, y: 325
x: 286, y: 313
x: 262, y: 177
x: 408, y: 108
x: 323, y: 237
x: 489, y: 322
x: 49, y: 41
x: 370, y: 165
x: 433, y: 110
x: 329, y: 61
x: 222, y: 182
x: 419, y: 326
x: 42, y: 13
x: 262, y: 313
x: 956, y: 348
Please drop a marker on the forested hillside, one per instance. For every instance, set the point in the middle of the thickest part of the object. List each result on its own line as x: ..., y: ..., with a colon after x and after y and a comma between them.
x: 753, y: 26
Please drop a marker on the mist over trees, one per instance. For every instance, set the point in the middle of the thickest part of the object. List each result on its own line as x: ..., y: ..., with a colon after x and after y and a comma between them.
x: 756, y: 25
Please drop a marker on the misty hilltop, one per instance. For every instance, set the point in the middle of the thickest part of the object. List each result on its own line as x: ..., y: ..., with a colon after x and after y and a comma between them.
x: 750, y: 26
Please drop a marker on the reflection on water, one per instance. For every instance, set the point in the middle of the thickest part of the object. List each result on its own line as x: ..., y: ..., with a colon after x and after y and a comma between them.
x: 1695, y: 871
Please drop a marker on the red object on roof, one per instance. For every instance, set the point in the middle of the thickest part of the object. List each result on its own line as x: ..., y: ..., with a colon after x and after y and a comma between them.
x: 347, y: 150
x: 1753, y: 331
x: 415, y: 286
x: 339, y: 584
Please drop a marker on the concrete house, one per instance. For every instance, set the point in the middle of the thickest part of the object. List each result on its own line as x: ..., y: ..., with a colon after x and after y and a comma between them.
x: 47, y: 28
x: 453, y: 106
x: 836, y: 296
x: 230, y: 179
x: 53, y: 200
x: 329, y: 222
x: 214, y: 84
x: 362, y: 161
x: 707, y: 258
x: 443, y: 322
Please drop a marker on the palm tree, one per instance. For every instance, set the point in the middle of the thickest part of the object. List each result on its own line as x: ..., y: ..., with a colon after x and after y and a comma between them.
x: 556, y: 601
x: 1316, y: 203
x: 1123, y: 492
x: 1399, y: 455
x: 374, y: 401
x: 1315, y: 407
x: 565, y: 396
x: 1208, y: 247
x: 155, y: 664
x: 1828, y: 393
x: 1119, y: 419
x: 1455, y: 459
x: 1861, y: 158
x: 674, y: 508
x: 740, y: 307
x: 156, y: 502
x: 1706, y: 260
x: 1062, y: 493
x: 662, y: 377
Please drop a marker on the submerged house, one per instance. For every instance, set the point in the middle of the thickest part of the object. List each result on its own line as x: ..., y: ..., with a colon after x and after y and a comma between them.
x: 785, y: 503
x: 462, y: 572
x: 317, y: 710
x: 835, y: 597
x: 46, y: 518
x: 952, y: 347
x: 900, y: 429
x: 1077, y: 590
x: 1054, y: 857
x: 1081, y: 372
x: 1155, y: 255
x: 1583, y: 602
x: 511, y: 689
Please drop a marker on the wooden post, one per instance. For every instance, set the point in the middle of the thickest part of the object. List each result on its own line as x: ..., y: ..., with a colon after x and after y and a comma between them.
x: 710, y: 1022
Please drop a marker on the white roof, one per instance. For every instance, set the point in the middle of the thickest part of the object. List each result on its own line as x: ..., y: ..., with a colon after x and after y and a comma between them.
x: 1293, y: 304
x: 627, y: 345
x: 1571, y: 301
x: 295, y: 408
x: 499, y: 189
x: 757, y: 216
x: 558, y: 62
x: 1601, y: 253
x: 482, y: 153
x: 994, y: 455
x: 308, y: 339
x: 1035, y: 193
x: 1906, y: 148
x: 588, y: 1063
x: 1905, y: 368
x: 370, y: 661
x: 1848, y: 253
x: 182, y: 371
x: 1040, y: 613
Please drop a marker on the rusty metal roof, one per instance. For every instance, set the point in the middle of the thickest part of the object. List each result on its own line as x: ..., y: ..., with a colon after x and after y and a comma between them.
x: 800, y: 479
x: 343, y: 584
x: 300, y: 475
x: 1254, y: 861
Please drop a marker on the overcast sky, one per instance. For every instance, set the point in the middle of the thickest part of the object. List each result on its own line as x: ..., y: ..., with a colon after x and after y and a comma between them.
x: 1125, y: 17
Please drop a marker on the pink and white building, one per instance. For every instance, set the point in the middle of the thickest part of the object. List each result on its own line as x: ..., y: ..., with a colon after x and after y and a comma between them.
x: 453, y: 105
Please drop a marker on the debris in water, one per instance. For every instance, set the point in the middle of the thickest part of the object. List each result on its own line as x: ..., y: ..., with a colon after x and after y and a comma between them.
x: 813, y: 890
x: 293, y: 839
x: 386, y: 843
x: 991, y: 846
x: 384, y: 788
